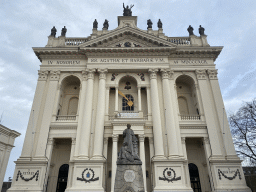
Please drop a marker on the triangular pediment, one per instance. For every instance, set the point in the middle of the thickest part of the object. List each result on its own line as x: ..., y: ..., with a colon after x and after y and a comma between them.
x: 127, y: 37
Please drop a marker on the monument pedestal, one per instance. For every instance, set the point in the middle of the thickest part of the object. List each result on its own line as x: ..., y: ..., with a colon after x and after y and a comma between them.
x: 129, y: 178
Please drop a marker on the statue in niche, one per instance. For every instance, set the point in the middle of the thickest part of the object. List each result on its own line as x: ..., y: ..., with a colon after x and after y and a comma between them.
x: 127, y: 10
x: 53, y: 31
x: 105, y: 24
x: 129, y: 151
x: 149, y: 23
x: 95, y: 24
x: 127, y: 85
x: 159, y: 24
x: 190, y: 30
x: 63, y: 31
x: 201, y: 30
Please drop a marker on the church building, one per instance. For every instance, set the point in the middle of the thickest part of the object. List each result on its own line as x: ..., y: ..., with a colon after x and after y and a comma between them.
x: 90, y: 88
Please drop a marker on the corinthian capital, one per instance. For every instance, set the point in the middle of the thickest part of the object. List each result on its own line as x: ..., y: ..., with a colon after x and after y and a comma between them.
x: 153, y: 73
x: 103, y: 73
x: 201, y: 74
x: 54, y: 75
x: 42, y: 75
x: 212, y: 73
x: 90, y: 73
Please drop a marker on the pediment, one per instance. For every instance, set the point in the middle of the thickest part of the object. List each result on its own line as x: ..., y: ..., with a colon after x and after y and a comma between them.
x: 127, y: 37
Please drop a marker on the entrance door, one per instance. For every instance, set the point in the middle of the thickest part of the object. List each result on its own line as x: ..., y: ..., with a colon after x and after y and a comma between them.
x: 62, y: 178
x: 194, y: 177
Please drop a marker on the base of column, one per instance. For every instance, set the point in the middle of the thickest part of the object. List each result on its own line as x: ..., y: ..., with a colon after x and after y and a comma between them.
x: 87, y: 176
x: 171, y: 176
x: 101, y: 158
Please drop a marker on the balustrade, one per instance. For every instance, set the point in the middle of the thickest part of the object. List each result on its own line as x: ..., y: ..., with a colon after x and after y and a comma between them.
x: 75, y: 41
x: 184, y: 41
x: 190, y: 117
x: 66, y: 118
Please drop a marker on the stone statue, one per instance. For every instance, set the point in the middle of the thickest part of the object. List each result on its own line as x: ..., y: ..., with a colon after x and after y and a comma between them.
x: 53, y: 31
x: 149, y: 23
x: 129, y: 151
x: 95, y: 24
x: 105, y: 24
x: 201, y: 30
x: 159, y: 24
x: 127, y: 10
x: 63, y: 31
x: 190, y: 30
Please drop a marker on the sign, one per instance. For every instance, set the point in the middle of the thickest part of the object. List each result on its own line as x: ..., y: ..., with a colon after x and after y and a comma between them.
x: 64, y: 62
x: 128, y: 60
x: 190, y: 62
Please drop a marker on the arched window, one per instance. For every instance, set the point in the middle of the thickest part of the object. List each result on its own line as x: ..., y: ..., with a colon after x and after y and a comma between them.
x: 126, y: 105
x: 62, y: 178
x: 194, y: 177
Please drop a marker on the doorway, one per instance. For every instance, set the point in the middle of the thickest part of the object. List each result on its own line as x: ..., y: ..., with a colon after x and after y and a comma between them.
x: 194, y: 177
x: 62, y: 178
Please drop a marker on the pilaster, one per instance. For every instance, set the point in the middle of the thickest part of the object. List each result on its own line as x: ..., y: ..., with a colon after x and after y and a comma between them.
x: 142, y: 158
x: 114, y: 159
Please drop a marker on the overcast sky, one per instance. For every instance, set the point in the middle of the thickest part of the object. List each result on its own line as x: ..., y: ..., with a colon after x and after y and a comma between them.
x: 26, y: 24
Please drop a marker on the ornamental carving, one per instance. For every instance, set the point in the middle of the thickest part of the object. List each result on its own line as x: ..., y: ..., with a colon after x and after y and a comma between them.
x: 42, y: 75
x: 200, y: 74
x: 21, y: 175
x: 165, y: 73
x: 153, y: 73
x: 84, y: 75
x: 223, y: 173
x: 54, y: 75
x: 113, y: 76
x: 212, y: 74
x: 88, y: 176
x: 102, y: 73
x: 141, y: 76
x: 169, y: 175
x: 90, y: 73
x: 73, y: 141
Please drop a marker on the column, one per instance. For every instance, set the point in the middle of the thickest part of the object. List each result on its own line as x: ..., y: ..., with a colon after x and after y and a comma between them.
x: 142, y: 158
x: 85, y: 133
x: 6, y: 154
x: 221, y: 113
x: 116, y: 101
x: 139, y: 99
x: 107, y: 103
x: 34, y: 115
x: 183, y: 140
x: 50, y: 144
x: 212, y: 126
x: 73, y: 146
x: 105, y: 152
x: 148, y: 102
x: 151, y: 148
x: 199, y: 99
x: 114, y: 159
x: 169, y: 116
x: 81, y: 110
x: 72, y: 152
x: 47, y: 115
x: 157, y: 125
x: 99, y: 127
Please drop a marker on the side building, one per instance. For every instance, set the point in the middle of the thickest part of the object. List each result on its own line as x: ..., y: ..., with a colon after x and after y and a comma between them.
x: 90, y: 88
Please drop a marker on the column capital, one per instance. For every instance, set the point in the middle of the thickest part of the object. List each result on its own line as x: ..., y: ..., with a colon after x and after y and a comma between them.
x: 84, y: 75
x: 153, y: 73
x: 55, y: 75
x: 212, y: 73
x: 141, y: 137
x: 115, y: 138
x: 201, y: 74
x: 105, y: 140
x: 103, y: 73
x: 183, y: 140
x: 90, y: 73
x: 73, y: 140
x: 42, y: 75
x: 50, y: 141
x: 165, y: 73
x: 206, y: 140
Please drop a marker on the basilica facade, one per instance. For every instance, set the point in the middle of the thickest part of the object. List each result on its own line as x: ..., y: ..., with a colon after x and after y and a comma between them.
x: 90, y: 88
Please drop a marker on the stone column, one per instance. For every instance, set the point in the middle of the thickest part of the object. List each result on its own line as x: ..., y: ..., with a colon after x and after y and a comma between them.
x: 199, y: 99
x: 6, y: 154
x: 105, y: 153
x: 26, y: 153
x: 151, y: 148
x: 142, y: 158
x: 139, y: 99
x: 114, y: 159
x: 50, y: 144
x: 149, y: 102
x: 157, y: 125
x: 81, y: 111
x: 84, y: 137
x: 116, y: 101
x: 221, y: 113
x: 210, y: 117
x: 73, y: 145
x: 99, y: 127
x: 107, y: 103
x: 70, y: 173
x: 169, y: 117
x: 47, y: 116
x: 183, y: 140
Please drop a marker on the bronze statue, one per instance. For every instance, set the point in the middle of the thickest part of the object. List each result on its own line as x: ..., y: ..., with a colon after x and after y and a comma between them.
x: 95, y: 24
x: 127, y: 10
x: 190, y: 30
x: 201, y: 30
x: 149, y: 23
x: 129, y: 151
x: 53, y: 31
x: 159, y: 24
x: 64, y: 31
x: 105, y: 24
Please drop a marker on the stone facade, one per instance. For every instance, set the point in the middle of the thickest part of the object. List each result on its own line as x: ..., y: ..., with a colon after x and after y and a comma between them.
x: 7, y: 138
x: 81, y: 107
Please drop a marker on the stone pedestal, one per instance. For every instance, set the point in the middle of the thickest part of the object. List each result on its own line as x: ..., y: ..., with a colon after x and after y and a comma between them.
x: 129, y: 178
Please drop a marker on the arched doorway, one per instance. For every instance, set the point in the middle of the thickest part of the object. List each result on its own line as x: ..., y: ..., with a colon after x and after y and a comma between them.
x: 194, y: 177
x: 62, y: 178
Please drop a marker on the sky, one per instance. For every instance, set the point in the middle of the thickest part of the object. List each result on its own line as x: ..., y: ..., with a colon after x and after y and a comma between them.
x: 27, y: 24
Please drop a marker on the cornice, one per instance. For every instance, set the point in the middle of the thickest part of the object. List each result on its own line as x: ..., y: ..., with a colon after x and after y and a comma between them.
x: 8, y: 132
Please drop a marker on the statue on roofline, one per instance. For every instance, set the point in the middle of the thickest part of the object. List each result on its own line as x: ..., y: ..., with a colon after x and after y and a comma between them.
x: 201, y: 30
x: 105, y: 24
x: 127, y: 10
x: 159, y: 24
x: 149, y: 23
x: 64, y: 31
x: 95, y: 24
x: 53, y: 31
x: 190, y: 30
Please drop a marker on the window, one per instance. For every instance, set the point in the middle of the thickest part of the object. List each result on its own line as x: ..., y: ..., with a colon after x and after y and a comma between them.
x: 125, y: 106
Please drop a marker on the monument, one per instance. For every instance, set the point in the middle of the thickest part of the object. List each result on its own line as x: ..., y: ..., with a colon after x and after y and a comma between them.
x: 129, y: 175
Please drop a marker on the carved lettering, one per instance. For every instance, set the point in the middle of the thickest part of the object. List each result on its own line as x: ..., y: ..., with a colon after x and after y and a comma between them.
x: 63, y: 62
x: 190, y: 62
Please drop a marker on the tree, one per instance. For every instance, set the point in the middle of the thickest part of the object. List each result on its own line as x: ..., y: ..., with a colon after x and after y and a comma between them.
x: 243, y: 128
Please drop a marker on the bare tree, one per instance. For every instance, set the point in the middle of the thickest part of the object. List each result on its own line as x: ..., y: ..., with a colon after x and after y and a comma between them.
x: 243, y: 128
